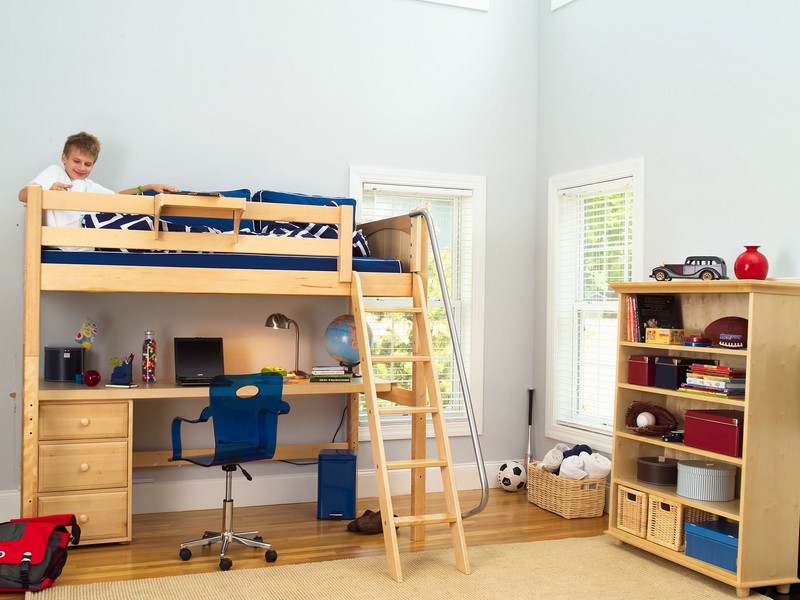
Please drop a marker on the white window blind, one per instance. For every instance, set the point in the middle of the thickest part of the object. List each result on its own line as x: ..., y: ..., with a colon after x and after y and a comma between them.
x: 451, y: 210
x: 593, y: 247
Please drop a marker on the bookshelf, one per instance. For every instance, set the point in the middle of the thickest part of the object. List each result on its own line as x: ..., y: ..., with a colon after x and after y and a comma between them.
x: 767, y: 484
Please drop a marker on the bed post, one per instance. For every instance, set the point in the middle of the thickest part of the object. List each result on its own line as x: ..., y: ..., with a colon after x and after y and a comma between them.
x: 31, y: 346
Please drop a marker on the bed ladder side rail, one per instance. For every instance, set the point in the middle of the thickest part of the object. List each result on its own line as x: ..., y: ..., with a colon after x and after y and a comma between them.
x: 462, y: 374
x: 427, y: 404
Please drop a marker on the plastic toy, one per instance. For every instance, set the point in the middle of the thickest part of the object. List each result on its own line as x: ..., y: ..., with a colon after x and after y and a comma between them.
x: 695, y: 267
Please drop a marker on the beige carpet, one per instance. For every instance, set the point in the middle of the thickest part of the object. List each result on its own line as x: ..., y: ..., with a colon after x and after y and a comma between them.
x: 572, y: 569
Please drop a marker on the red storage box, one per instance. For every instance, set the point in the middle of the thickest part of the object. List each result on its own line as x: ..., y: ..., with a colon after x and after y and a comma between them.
x: 715, y: 430
x: 642, y: 369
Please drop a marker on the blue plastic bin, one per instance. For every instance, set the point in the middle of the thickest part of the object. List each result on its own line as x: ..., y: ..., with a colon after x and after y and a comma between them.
x: 715, y: 542
x: 336, y: 484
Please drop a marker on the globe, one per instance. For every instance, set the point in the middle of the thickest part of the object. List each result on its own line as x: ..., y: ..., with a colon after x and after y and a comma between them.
x: 341, y: 341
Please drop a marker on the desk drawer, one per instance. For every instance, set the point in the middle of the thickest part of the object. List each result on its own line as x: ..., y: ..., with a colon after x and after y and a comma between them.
x: 59, y: 421
x: 83, y: 466
x: 103, y: 516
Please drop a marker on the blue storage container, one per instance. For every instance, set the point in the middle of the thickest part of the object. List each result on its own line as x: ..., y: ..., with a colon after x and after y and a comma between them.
x: 715, y: 542
x: 336, y: 484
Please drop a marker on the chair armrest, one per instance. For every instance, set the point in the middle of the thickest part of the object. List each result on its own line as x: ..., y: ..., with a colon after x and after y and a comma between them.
x: 177, y: 447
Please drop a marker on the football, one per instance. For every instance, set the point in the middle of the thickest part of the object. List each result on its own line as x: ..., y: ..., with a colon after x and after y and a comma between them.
x: 728, y: 332
x: 512, y: 476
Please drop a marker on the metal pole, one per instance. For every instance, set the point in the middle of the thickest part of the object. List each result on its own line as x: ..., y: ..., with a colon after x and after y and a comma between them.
x: 462, y: 375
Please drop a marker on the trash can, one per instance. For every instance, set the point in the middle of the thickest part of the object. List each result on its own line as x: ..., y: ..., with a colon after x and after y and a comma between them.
x: 336, y: 484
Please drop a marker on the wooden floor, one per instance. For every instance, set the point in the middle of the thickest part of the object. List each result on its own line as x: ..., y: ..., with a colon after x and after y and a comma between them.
x: 299, y: 537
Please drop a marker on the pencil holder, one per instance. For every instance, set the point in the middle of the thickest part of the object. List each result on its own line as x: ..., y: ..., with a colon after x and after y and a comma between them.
x: 122, y: 375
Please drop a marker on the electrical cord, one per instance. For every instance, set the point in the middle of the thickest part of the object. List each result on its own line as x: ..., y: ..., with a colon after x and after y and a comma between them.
x: 333, y: 439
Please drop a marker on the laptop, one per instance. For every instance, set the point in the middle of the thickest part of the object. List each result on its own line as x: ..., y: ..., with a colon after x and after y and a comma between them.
x: 198, y: 360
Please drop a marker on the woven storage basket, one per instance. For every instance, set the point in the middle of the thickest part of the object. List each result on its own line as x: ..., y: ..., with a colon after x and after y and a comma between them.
x: 666, y: 519
x: 568, y: 498
x: 632, y: 511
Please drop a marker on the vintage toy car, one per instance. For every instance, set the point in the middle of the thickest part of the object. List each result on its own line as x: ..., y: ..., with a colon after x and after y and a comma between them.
x: 695, y: 267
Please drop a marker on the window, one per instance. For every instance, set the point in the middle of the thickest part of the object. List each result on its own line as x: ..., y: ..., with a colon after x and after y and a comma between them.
x: 594, y: 240
x: 457, y: 207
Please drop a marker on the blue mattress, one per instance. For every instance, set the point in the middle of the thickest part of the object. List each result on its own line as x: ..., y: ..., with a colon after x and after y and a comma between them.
x: 276, y: 262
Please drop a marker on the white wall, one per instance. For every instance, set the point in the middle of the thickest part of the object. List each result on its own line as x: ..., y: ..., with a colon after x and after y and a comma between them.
x: 707, y: 93
x: 281, y: 95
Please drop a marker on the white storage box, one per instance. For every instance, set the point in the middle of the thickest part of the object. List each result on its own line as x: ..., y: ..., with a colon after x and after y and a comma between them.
x: 706, y: 480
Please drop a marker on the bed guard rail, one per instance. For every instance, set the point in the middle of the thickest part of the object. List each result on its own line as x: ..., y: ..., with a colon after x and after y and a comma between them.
x: 462, y: 375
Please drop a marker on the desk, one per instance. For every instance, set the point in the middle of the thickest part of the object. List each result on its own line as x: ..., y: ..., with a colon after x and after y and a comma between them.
x: 84, y: 453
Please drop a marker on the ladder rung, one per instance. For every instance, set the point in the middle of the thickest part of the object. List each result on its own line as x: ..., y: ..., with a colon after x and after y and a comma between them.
x: 415, y: 463
x: 384, y: 359
x: 430, y: 519
x: 408, y: 410
x: 392, y: 309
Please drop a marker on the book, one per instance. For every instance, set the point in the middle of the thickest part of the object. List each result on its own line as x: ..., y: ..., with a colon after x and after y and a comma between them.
x: 331, y: 378
x: 714, y: 383
x: 122, y: 385
x: 658, y: 311
x: 323, y: 369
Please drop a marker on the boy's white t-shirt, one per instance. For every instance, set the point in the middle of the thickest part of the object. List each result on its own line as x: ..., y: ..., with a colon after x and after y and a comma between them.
x: 66, y: 218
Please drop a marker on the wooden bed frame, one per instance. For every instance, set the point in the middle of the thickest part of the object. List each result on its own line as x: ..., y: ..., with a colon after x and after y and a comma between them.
x: 402, y: 238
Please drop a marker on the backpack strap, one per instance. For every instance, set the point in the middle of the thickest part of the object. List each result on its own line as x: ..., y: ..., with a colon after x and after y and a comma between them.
x: 24, y: 569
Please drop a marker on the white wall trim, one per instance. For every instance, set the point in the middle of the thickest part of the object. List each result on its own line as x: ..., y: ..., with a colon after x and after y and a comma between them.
x: 202, y: 494
x: 476, y: 184
x: 473, y: 4
x: 630, y: 168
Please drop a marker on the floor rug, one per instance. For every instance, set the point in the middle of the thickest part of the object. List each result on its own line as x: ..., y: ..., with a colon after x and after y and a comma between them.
x: 570, y: 569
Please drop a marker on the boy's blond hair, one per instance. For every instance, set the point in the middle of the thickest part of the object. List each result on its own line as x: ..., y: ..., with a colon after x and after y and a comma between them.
x: 84, y: 142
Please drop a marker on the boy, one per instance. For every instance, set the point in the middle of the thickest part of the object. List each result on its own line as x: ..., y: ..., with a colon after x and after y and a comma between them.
x: 78, y: 159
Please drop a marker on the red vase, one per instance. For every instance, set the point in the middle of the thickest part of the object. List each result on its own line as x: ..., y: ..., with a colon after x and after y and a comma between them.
x: 751, y: 264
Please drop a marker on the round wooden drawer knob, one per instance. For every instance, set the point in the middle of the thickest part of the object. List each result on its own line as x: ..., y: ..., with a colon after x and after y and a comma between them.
x: 84, y: 467
x: 83, y: 518
x: 85, y: 421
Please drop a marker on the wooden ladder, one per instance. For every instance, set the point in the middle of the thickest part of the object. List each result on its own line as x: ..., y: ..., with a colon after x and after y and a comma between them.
x: 423, y: 400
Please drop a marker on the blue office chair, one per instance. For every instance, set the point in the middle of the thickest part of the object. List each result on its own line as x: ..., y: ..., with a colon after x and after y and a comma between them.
x: 244, y: 411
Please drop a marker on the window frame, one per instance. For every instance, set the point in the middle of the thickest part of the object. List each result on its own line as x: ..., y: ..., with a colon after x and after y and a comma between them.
x: 359, y: 176
x: 556, y: 185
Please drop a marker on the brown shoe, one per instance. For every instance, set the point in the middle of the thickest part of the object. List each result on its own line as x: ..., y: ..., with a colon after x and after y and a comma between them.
x: 370, y: 524
x: 353, y: 525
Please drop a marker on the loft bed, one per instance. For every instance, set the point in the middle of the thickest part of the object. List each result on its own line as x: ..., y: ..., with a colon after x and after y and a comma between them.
x: 164, y: 245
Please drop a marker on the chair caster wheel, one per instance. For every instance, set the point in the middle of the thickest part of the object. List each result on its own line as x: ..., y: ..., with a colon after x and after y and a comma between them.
x: 185, y: 554
x: 271, y: 556
x: 258, y: 538
x: 225, y: 564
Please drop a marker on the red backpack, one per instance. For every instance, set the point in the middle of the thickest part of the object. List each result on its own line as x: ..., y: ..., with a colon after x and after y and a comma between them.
x: 33, y: 551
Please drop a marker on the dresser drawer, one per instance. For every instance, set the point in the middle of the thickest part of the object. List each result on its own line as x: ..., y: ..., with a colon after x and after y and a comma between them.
x: 103, y: 516
x: 61, y: 421
x: 83, y: 466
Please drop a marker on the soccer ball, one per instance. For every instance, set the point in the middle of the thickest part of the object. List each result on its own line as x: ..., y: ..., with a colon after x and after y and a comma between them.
x: 512, y: 476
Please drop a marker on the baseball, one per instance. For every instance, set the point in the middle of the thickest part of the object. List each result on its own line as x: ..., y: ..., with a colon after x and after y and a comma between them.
x: 645, y: 419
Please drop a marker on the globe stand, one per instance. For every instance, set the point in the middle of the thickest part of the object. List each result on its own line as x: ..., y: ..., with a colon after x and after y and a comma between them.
x: 350, y: 369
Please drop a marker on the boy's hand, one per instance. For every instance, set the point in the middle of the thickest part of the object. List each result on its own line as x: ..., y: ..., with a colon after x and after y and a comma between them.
x: 160, y: 188
x: 60, y: 187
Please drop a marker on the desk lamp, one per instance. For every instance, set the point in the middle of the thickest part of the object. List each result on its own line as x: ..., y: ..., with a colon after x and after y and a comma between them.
x: 281, y: 321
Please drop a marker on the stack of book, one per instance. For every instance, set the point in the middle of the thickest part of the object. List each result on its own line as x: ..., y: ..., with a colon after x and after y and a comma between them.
x: 650, y: 310
x: 715, y: 380
x: 330, y: 374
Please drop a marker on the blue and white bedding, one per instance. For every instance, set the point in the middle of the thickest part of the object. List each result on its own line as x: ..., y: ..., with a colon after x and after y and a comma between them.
x: 110, y: 256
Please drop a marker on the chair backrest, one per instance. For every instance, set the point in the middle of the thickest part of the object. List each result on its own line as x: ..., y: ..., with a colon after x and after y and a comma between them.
x: 245, y: 415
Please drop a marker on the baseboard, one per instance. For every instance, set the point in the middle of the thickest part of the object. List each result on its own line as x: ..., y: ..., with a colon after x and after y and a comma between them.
x: 200, y: 494
x: 9, y: 505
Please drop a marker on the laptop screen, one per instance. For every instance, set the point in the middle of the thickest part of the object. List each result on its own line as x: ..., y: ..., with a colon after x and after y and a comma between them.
x: 198, y: 358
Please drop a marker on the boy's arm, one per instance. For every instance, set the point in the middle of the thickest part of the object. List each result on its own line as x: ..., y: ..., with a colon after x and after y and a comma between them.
x: 158, y: 188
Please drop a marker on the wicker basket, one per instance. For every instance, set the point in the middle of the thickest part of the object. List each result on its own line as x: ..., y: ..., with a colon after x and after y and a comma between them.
x: 666, y: 519
x: 632, y: 511
x: 568, y: 498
